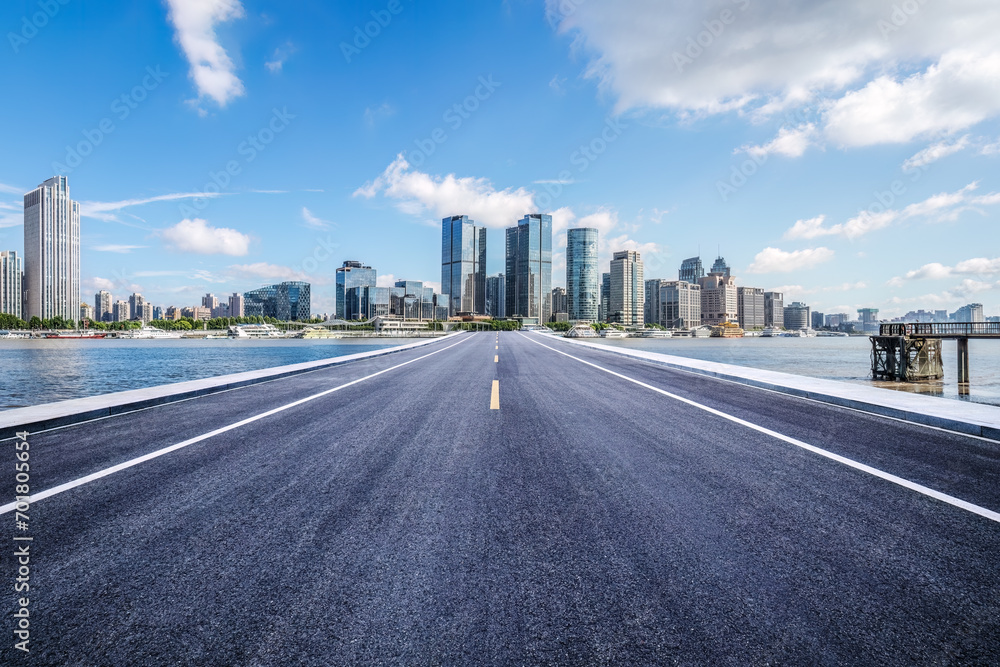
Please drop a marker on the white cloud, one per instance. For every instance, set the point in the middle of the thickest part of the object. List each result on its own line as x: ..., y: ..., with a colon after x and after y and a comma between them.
x: 952, y: 95
x: 100, y: 210
x: 774, y: 260
x: 212, y: 70
x: 198, y: 237
x: 374, y: 114
x: 265, y: 271
x: 790, y: 142
x: 869, y: 71
x: 940, y: 207
x: 418, y: 193
x: 387, y: 280
x: 281, y: 55
x: 935, y: 152
x: 312, y: 221
x: 977, y: 266
x: 991, y: 149
x: 117, y: 248
x: 12, y: 219
x: 10, y: 189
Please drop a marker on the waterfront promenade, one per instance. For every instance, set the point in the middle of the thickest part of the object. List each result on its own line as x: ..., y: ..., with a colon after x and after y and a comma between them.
x: 510, y: 499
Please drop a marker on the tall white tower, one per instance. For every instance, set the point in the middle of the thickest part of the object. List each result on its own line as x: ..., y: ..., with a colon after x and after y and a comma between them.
x: 51, y: 252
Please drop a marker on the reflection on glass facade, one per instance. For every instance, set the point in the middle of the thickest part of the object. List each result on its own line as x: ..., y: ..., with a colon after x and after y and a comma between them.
x: 367, y: 301
x: 529, y: 268
x: 10, y: 283
x: 285, y: 301
x: 463, y: 264
x: 605, y: 296
x: 351, y: 274
x: 581, y: 274
x: 496, y: 304
x: 691, y: 270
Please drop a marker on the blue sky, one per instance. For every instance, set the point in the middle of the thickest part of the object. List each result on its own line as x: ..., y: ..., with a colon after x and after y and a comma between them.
x: 844, y: 152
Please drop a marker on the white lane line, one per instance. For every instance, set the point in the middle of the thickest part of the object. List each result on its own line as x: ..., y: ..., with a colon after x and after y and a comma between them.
x: 41, y: 495
x: 881, y: 474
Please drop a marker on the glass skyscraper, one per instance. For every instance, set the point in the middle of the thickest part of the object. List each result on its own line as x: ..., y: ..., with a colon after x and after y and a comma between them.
x: 351, y: 274
x: 285, y: 301
x: 496, y: 303
x: 463, y: 264
x: 628, y: 289
x: 51, y: 252
x: 691, y: 270
x: 10, y: 283
x: 529, y: 268
x: 581, y: 274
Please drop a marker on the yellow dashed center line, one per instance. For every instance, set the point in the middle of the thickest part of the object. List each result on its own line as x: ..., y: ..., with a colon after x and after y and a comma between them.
x: 495, y: 396
x: 496, y: 358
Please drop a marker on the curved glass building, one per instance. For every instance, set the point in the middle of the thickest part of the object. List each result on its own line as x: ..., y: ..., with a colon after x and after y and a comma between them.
x: 581, y: 274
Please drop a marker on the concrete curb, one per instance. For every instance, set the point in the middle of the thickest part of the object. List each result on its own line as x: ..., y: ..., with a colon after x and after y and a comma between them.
x: 63, y: 413
x: 959, y: 416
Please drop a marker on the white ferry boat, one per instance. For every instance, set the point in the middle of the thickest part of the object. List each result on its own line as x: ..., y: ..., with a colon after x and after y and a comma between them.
x: 770, y: 332
x: 656, y: 333
x: 701, y: 332
x: 149, y: 332
x: 255, y: 331
x: 613, y: 333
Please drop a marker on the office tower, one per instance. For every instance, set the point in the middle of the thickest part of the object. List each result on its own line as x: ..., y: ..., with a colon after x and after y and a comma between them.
x: 817, y: 320
x: 797, y: 316
x: 605, y: 297
x: 972, y: 312
x: 496, y: 304
x: 86, y: 312
x: 173, y: 313
x: 411, y: 287
x: 51, y: 252
x: 120, y: 311
x: 157, y: 312
x: 10, y: 283
x: 750, y: 307
x: 560, y: 304
x: 236, y: 305
x: 210, y: 301
x: 628, y: 290
x: 774, y: 310
x: 351, y: 274
x: 691, y: 270
x: 463, y: 264
x: 719, y: 302
x: 870, y: 315
x: 135, y: 306
x: 529, y: 269
x: 581, y: 274
x: 368, y: 301
x: 836, y: 319
x: 286, y: 301
x: 680, y: 304
x: 720, y: 267
x: 102, y: 306
x: 651, y: 309
x: 146, y: 312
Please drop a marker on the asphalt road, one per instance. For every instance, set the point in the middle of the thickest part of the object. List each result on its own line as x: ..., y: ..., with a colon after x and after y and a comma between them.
x: 402, y: 520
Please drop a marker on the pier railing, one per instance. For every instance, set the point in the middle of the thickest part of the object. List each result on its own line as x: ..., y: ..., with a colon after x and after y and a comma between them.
x: 942, y: 329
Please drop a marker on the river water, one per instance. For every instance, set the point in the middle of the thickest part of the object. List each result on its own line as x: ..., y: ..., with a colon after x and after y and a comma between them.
x: 42, y: 371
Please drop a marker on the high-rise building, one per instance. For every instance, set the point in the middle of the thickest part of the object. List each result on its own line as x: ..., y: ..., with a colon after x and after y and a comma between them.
x: 560, y: 304
x: 774, y: 310
x: 797, y: 316
x: 817, y: 320
x: 529, y: 269
x: 605, y: 305
x: 496, y: 303
x: 368, y: 301
x: 581, y: 274
x: 102, y: 307
x: 86, y: 312
x: 691, y: 270
x: 286, y: 301
x: 680, y: 304
x: 146, y: 312
x: 870, y: 315
x: 972, y: 312
x: 236, y: 306
x: 210, y: 301
x: 135, y: 306
x: 10, y: 283
x: 120, y: 311
x: 351, y: 274
x: 628, y: 290
x: 750, y: 307
x: 651, y: 309
x: 834, y: 320
x: 463, y: 264
x: 51, y: 252
x: 157, y: 312
x: 719, y: 299
x: 721, y: 267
